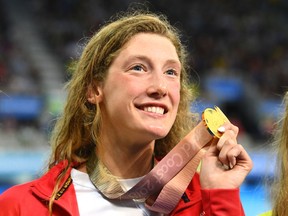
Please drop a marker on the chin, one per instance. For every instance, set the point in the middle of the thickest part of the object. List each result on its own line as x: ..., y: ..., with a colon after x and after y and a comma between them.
x: 159, y: 132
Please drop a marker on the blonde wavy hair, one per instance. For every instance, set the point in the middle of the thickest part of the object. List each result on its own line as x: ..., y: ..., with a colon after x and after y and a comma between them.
x: 280, y: 184
x: 76, y: 131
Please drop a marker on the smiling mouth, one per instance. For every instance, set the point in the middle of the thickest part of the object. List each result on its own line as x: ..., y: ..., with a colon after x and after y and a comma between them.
x: 153, y: 109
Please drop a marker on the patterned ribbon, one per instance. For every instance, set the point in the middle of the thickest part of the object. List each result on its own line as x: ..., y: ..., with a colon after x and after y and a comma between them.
x: 164, y: 185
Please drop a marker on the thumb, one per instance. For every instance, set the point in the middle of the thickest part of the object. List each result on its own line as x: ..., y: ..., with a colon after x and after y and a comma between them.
x: 213, y: 150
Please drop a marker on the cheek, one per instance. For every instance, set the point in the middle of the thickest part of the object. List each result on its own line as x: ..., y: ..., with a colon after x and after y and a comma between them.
x: 132, y: 87
x: 175, y: 93
x: 122, y: 89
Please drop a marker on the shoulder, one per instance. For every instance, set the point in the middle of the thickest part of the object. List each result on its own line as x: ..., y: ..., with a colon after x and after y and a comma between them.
x: 44, y: 184
x: 16, y: 191
x: 13, y: 197
x: 32, y: 195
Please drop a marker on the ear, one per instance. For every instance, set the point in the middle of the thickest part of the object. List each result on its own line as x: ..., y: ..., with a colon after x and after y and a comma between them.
x: 95, y: 94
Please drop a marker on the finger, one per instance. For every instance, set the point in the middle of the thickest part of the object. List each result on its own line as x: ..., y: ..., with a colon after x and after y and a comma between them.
x: 228, y: 138
x: 230, y: 126
x: 237, y: 156
x: 225, y: 150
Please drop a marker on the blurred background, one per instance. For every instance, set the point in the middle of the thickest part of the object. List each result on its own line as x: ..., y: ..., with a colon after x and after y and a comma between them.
x: 239, y: 56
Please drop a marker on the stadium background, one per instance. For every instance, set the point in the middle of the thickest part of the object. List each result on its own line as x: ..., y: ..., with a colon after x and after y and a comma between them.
x: 239, y: 55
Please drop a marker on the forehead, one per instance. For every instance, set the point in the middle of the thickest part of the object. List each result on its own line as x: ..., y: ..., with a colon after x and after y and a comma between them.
x: 151, y: 44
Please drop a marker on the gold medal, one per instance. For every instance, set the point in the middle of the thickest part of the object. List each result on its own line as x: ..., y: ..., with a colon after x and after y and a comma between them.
x: 213, y: 119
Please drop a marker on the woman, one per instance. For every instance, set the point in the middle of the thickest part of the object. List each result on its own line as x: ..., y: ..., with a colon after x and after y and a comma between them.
x: 280, y: 184
x: 127, y: 107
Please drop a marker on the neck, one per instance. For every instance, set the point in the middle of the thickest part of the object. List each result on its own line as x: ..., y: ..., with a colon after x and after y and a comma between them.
x: 127, y: 162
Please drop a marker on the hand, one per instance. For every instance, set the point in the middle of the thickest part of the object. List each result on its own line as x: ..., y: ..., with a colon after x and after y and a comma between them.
x: 226, y: 163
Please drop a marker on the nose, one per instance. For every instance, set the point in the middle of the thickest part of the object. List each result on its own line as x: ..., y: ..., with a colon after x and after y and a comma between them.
x: 158, y: 87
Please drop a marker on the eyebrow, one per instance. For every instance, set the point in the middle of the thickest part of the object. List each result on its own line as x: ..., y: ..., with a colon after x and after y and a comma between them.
x: 146, y: 59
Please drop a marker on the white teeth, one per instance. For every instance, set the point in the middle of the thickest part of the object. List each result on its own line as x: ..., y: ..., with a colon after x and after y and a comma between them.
x: 153, y: 109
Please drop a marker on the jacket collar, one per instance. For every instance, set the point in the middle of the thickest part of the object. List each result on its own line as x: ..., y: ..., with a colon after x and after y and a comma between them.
x: 66, y: 196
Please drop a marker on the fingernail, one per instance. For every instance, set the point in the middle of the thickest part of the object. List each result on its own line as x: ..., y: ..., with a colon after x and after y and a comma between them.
x: 221, y: 129
x: 231, y: 165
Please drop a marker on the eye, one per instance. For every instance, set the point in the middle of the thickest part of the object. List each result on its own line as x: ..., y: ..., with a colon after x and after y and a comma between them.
x: 171, y: 72
x: 137, y: 68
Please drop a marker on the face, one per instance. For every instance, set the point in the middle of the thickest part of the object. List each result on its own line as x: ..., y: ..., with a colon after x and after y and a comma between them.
x: 140, y: 97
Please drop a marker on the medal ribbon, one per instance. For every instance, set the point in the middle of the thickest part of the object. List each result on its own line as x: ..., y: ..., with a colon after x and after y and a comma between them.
x: 164, y: 185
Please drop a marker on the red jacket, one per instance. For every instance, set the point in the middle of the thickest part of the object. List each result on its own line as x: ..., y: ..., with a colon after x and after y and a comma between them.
x: 31, y: 199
